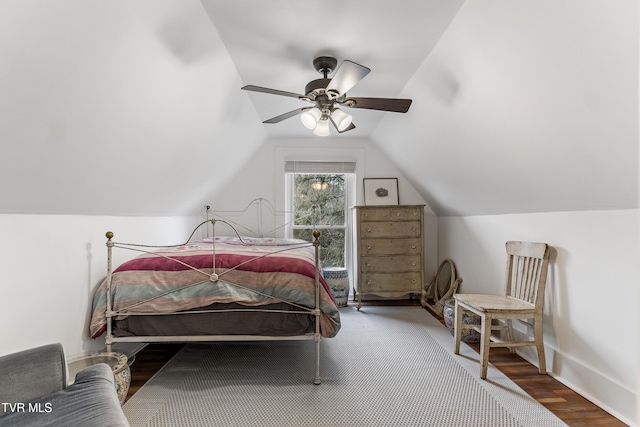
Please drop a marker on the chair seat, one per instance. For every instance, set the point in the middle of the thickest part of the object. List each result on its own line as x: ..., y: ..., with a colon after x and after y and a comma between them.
x: 494, y: 303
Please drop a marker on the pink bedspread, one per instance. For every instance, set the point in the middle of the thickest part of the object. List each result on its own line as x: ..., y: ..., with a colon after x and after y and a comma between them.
x: 264, y: 271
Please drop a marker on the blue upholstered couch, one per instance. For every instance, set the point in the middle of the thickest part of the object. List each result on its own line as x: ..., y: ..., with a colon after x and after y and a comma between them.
x: 34, y: 392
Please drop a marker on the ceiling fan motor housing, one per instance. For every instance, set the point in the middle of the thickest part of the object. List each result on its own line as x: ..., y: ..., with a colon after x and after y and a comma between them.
x: 316, y: 87
x: 325, y: 65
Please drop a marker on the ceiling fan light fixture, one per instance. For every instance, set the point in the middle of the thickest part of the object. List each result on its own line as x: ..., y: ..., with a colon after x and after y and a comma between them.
x: 322, y: 128
x: 311, y: 117
x: 341, y: 119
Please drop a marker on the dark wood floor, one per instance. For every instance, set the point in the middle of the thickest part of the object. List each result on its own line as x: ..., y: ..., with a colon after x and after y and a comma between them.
x: 569, y: 406
x: 148, y: 362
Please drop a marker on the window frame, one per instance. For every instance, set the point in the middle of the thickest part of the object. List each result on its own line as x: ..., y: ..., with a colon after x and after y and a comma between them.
x: 349, y: 200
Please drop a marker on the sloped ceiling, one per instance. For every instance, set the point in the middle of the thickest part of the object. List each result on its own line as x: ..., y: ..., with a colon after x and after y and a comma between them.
x: 117, y: 108
x: 525, y: 106
x: 134, y: 108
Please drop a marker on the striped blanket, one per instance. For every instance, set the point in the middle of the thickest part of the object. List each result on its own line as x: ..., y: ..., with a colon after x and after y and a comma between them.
x: 251, y: 272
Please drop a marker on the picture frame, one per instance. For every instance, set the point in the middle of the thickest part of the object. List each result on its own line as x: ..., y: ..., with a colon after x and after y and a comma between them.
x: 380, y: 191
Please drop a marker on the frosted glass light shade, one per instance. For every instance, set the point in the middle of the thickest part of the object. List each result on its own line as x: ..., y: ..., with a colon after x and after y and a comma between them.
x: 341, y: 119
x: 322, y: 128
x: 310, y: 117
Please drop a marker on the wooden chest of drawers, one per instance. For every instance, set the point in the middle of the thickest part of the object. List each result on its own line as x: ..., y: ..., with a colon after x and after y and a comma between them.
x: 390, y: 244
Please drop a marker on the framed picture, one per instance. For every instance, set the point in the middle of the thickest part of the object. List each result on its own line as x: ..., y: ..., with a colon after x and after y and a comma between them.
x: 380, y: 191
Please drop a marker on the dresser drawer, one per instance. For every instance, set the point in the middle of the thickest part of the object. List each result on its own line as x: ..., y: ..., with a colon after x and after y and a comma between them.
x: 377, y: 214
x: 396, y: 282
x: 390, y: 264
x: 401, y: 213
x: 391, y: 247
x: 406, y: 214
x: 388, y: 229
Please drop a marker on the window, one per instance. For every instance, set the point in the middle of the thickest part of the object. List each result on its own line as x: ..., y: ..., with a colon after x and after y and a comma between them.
x: 327, y: 193
x: 331, y: 194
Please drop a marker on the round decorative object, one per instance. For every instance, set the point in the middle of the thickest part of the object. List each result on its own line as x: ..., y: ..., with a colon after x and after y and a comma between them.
x: 382, y: 192
x: 468, y: 334
x: 117, y: 361
x: 338, y: 280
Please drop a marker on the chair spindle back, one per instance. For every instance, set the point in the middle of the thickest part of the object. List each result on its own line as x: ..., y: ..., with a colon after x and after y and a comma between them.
x: 527, y: 267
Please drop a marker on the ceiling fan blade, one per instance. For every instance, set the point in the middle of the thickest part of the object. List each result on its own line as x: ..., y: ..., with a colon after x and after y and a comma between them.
x: 395, y: 105
x: 288, y: 115
x: 274, y: 92
x: 346, y: 76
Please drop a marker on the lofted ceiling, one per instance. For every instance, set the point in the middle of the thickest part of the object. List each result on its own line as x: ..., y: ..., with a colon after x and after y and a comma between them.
x: 128, y: 107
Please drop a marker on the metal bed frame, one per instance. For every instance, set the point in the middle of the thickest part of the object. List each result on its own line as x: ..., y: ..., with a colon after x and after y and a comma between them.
x: 110, y: 313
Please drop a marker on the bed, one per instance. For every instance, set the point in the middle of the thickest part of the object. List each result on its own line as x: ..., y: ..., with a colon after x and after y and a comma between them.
x: 261, y: 288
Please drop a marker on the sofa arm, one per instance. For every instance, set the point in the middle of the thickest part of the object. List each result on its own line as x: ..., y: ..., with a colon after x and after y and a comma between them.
x: 91, y: 401
x: 31, y: 374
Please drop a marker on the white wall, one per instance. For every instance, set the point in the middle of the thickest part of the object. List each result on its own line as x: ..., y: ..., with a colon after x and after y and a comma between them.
x: 51, y: 265
x: 591, y: 318
x: 263, y: 176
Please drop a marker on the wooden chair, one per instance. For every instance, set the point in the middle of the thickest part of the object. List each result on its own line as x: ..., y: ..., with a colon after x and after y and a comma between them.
x: 526, y: 277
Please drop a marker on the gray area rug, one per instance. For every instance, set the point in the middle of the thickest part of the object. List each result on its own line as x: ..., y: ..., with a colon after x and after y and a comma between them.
x: 388, y: 366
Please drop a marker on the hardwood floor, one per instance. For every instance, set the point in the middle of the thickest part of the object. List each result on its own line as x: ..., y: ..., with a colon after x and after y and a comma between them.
x: 569, y: 406
x: 565, y: 403
x: 149, y: 361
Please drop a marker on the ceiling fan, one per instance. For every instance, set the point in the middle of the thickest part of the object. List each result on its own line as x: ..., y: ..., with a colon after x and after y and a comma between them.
x: 328, y: 94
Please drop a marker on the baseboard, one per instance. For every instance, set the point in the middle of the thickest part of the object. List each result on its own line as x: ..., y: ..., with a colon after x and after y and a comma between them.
x: 130, y: 349
x: 614, y: 398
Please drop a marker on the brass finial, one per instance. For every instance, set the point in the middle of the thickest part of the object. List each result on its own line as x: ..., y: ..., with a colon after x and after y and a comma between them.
x: 316, y: 234
x: 109, y: 235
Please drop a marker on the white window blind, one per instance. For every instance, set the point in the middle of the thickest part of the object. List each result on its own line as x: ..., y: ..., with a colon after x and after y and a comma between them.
x: 319, y: 167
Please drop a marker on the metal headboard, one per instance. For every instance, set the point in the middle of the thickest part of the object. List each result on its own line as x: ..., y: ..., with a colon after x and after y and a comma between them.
x: 263, y: 207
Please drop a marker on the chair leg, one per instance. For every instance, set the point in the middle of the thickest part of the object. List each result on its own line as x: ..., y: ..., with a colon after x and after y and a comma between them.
x: 457, y: 327
x: 509, y: 325
x: 537, y: 330
x: 485, y: 341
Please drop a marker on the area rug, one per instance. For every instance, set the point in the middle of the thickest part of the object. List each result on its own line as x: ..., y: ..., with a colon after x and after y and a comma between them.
x: 388, y: 366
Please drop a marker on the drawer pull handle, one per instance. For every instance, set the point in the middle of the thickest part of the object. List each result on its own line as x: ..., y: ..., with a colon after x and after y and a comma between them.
x: 397, y: 213
x: 369, y: 282
x: 413, y: 263
x: 368, y: 230
x: 413, y: 246
x: 368, y: 263
x: 413, y: 281
x: 368, y: 247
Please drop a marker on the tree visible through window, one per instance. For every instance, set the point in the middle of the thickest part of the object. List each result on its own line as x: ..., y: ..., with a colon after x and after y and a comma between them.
x: 327, y: 193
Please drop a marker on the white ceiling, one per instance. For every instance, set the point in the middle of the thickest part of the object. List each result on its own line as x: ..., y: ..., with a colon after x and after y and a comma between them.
x: 518, y: 105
